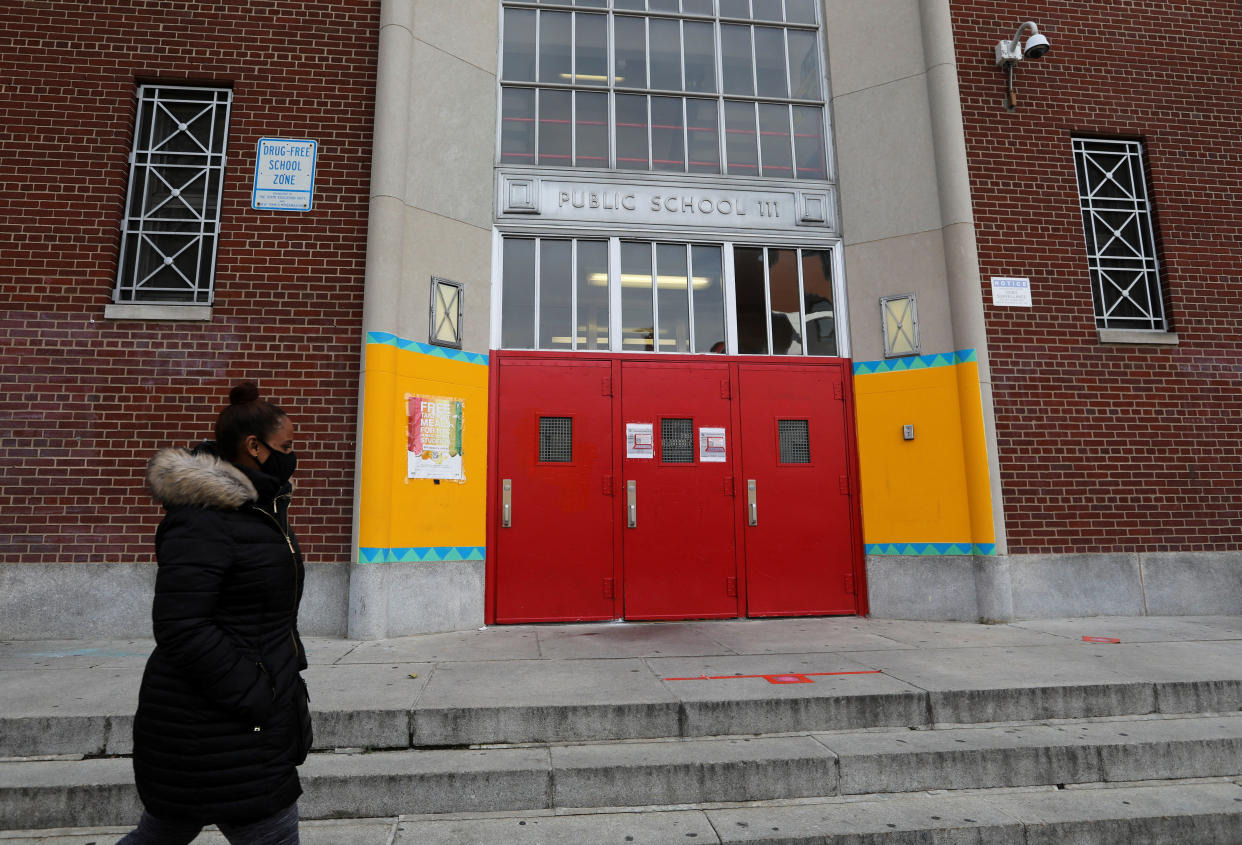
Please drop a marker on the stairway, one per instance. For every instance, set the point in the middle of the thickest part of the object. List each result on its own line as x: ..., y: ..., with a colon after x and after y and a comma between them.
x: 752, y: 769
x: 879, y: 732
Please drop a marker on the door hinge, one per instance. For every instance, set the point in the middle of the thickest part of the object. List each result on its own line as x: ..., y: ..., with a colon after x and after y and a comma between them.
x: 845, y: 485
x: 838, y: 391
x: 605, y: 386
x: 609, y: 593
x: 606, y: 485
x: 729, y: 490
x: 849, y: 583
x: 731, y: 586
x: 726, y: 391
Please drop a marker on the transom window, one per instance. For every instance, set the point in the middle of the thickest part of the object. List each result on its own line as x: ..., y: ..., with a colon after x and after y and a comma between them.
x: 627, y: 295
x: 1121, y: 245
x: 172, y: 210
x: 696, y: 86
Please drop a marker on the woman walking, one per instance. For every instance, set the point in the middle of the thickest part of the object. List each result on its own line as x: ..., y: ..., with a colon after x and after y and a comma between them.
x: 223, y: 719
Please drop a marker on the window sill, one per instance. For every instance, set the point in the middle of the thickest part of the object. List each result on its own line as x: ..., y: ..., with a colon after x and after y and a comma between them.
x: 144, y: 311
x: 1137, y: 337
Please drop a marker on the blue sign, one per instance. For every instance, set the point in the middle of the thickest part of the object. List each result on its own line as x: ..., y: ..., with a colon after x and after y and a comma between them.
x: 284, y: 175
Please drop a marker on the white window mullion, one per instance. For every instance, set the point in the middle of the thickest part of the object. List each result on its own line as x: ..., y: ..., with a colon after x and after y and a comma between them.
x: 573, y: 294
x: 730, y: 300
x: 655, y: 301
x: 614, y: 295
x: 538, y: 273
x: 767, y: 298
x: 690, y: 293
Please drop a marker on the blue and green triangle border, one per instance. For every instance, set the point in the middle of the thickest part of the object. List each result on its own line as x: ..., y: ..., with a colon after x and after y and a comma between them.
x: 420, y: 554
x: 387, y: 339
x: 977, y: 549
x: 915, y: 362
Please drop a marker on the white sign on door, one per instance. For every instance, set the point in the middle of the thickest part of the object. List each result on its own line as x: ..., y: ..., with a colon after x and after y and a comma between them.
x: 639, y: 440
x: 712, y: 446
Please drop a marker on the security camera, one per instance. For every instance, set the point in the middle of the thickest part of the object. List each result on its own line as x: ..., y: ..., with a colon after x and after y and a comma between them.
x: 1036, y: 46
x: 1009, y: 53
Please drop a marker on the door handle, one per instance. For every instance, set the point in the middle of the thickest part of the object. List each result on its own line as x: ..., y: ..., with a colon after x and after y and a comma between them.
x: 506, y: 503
x: 631, y: 504
x: 752, y: 502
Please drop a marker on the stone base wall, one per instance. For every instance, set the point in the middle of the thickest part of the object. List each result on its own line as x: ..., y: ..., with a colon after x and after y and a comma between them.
x: 1011, y: 587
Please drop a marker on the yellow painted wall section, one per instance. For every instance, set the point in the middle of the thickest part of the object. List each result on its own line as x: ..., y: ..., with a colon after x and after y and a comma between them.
x: 400, y: 512
x: 933, y: 489
x: 975, y: 451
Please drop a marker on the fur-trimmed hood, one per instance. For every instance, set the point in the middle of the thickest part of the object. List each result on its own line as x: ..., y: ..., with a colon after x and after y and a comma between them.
x: 197, y: 479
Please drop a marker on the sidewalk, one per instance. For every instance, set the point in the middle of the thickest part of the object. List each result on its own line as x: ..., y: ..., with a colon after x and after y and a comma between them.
x: 567, y: 683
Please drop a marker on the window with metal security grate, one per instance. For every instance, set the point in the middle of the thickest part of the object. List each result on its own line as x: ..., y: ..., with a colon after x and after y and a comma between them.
x: 795, y: 441
x: 172, y: 218
x: 1120, y: 240
x: 556, y: 440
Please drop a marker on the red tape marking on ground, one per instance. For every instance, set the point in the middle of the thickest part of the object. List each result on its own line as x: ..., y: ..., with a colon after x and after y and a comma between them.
x: 1087, y: 639
x: 790, y: 678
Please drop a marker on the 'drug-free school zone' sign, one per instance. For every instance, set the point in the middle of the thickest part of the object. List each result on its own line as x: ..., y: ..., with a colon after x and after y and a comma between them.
x: 284, y: 175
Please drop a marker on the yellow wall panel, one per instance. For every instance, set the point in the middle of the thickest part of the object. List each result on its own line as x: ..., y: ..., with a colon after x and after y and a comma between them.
x: 397, y: 512
x: 933, y: 489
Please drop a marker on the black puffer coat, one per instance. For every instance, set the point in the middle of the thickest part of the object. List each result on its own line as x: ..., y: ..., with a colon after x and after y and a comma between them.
x: 222, y: 717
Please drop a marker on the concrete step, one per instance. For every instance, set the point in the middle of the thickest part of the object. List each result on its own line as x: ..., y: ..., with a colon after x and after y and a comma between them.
x: 1182, y: 813
x: 46, y: 793
x: 102, y: 725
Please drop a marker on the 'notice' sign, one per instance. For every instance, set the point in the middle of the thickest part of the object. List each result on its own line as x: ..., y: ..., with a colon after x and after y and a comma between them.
x: 284, y: 175
x: 1010, y: 291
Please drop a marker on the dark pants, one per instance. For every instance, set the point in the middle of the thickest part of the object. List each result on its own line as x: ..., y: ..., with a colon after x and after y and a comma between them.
x: 278, y: 829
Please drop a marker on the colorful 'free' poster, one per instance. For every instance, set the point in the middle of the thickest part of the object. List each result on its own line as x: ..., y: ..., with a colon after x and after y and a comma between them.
x: 433, y: 437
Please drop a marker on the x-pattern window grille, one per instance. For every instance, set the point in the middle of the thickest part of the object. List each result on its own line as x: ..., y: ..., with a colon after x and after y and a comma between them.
x: 1121, y: 245
x: 901, y: 325
x: 172, y: 216
x: 446, y: 308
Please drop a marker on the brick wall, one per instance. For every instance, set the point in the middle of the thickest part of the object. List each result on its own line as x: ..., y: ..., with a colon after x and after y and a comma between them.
x: 1112, y: 448
x: 85, y: 401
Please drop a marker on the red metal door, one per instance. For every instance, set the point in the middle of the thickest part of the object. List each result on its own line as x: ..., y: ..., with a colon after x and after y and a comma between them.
x: 796, y: 486
x: 553, y: 505
x: 678, y: 523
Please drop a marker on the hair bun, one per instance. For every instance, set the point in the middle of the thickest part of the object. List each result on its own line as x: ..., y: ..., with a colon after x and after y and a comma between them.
x: 245, y: 392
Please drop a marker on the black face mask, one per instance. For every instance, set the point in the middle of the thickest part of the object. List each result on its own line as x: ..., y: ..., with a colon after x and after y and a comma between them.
x: 279, y: 465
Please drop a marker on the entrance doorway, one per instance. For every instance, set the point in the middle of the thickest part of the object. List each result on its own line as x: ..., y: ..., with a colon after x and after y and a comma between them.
x: 642, y: 487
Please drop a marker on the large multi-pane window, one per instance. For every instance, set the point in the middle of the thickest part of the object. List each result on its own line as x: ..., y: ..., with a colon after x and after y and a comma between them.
x: 629, y: 295
x: 172, y: 212
x: 696, y: 86
x: 1121, y: 244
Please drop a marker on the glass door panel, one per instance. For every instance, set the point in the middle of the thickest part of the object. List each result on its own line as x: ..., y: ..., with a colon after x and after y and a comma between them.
x: 593, y: 295
x: 674, y: 298
x: 750, y: 300
x: 786, y: 304
x: 637, y: 319
x: 707, y: 293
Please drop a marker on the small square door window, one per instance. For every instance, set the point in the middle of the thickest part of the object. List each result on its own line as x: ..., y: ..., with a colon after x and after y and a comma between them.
x: 795, y: 443
x: 676, y: 441
x: 556, y: 440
